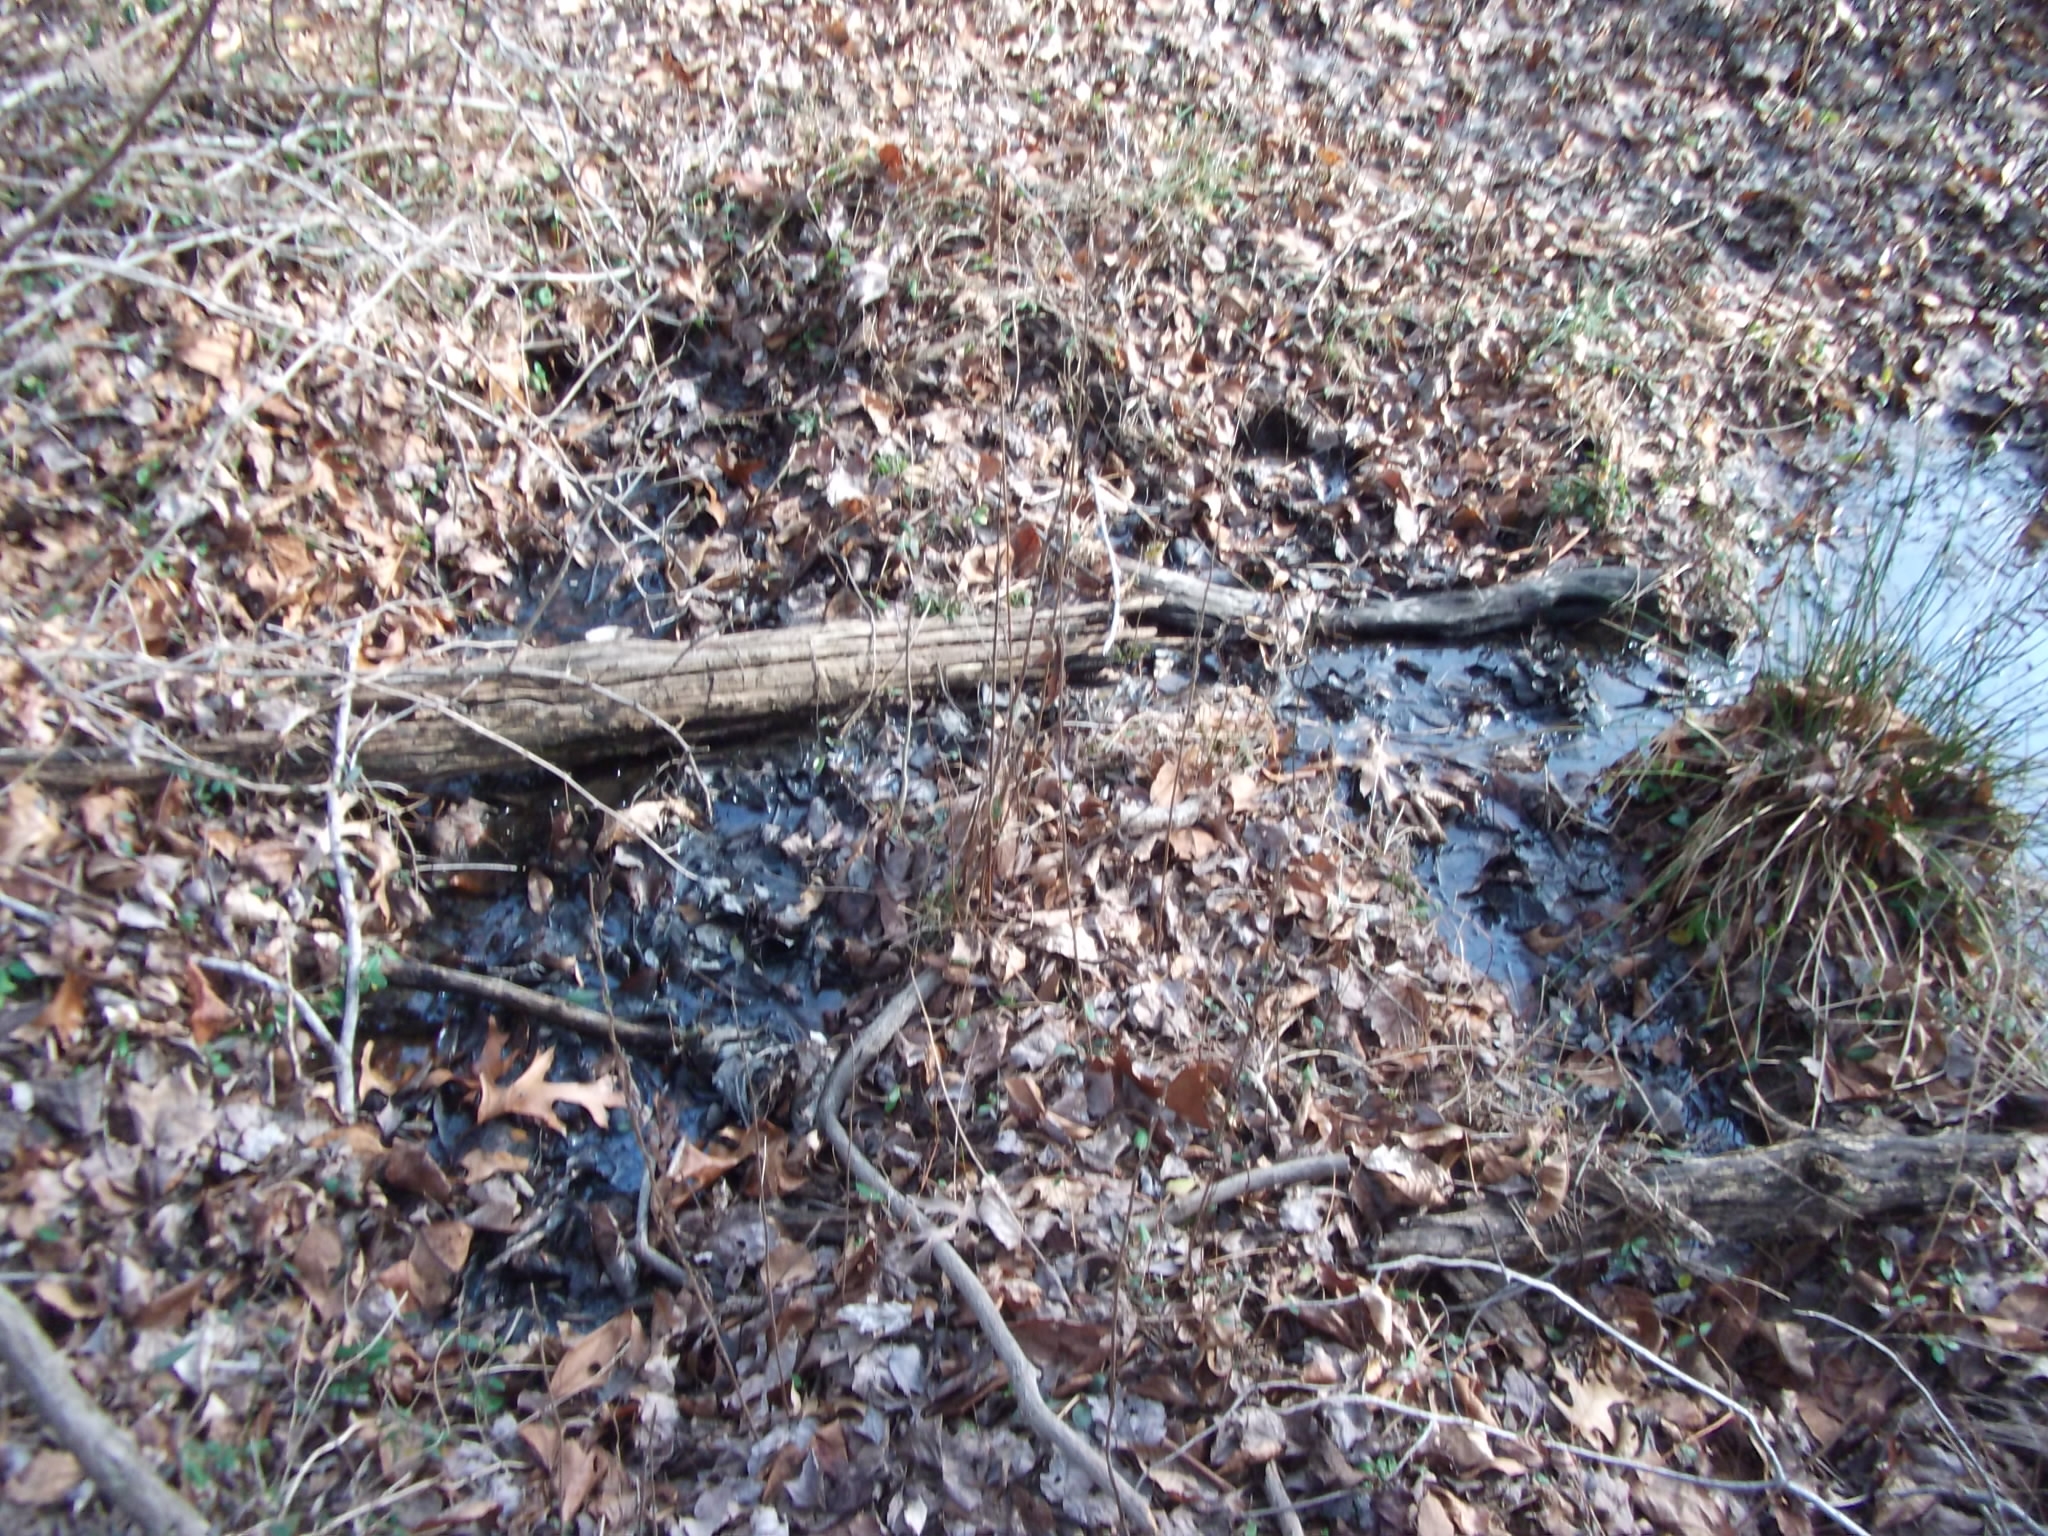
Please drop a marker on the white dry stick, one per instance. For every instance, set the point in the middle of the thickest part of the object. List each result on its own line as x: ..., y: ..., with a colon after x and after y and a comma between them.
x: 1100, y: 493
x: 107, y: 1452
x: 1055, y: 1431
x: 1434, y: 1419
x: 345, y: 886
x: 1276, y: 1496
x: 333, y: 338
x: 26, y: 911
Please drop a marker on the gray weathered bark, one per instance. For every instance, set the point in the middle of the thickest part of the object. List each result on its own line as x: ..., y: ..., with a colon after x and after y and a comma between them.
x: 1808, y: 1187
x: 1177, y: 599
x: 507, y: 710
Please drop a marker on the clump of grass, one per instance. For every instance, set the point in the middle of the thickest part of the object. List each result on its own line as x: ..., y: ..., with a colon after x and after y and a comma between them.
x: 1832, y: 856
x: 1837, y: 847
x: 1598, y: 495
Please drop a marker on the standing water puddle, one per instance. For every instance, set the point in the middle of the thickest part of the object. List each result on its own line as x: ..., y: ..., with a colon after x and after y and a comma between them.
x: 1519, y: 734
x: 1934, y: 537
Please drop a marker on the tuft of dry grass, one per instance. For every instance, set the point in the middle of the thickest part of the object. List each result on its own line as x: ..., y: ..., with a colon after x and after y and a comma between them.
x: 1837, y: 864
x: 1846, y: 850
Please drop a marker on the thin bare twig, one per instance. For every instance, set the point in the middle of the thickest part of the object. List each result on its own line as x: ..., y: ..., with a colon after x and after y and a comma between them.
x: 588, y: 1022
x: 1061, y: 1436
x: 1436, y: 1418
x: 1300, y: 1170
x: 1781, y: 1481
x: 307, y: 1014
x: 106, y: 1451
x: 667, y: 727
x: 60, y: 204
x: 1990, y: 1494
x: 546, y: 765
x: 345, y: 885
x: 27, y: 911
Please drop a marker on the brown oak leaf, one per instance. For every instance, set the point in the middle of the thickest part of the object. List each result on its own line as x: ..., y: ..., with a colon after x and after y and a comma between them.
x: 591, y: 1358
x: 531, y: 1094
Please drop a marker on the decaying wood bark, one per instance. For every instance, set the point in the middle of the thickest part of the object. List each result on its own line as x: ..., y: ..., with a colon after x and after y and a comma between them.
x: 575, y: 704
x: 586, y: 702
x: 1811, y: 1186
x: 504, y: 710
x: 1176, y: 599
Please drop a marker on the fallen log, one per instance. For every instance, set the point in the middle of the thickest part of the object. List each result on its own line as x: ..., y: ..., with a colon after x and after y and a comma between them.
x: 1808, y: 1187
x: 1555, y: 597
x: 1178, y: 600
x: 516, y: 707
x: 587, y: 702
x: 508, y: 709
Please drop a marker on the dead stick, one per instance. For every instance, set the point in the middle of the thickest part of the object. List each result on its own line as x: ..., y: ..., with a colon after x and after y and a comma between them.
x: 345, y: 887
x: 106, y: 1451
x: 1276, y: 1495
x: 1053, y: 1430
x: 1300, y: 1170
x: 301, y: 1006
x: 61, y: 202
x: 419, y: 976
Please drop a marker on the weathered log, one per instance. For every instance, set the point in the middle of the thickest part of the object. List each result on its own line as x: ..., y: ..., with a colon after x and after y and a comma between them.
x: 1183, y: 602
x: 504, y: 709
x: 1555, y: 597
x: 508, y: 709
x: 1177, y: 599
x: 585, y: 702
x: 1808, y: 1187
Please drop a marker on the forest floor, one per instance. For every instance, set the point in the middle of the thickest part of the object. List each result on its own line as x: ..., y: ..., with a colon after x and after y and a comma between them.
x: 340, y: 339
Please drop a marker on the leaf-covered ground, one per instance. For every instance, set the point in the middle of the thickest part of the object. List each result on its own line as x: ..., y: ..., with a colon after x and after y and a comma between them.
x: 396, y: 328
